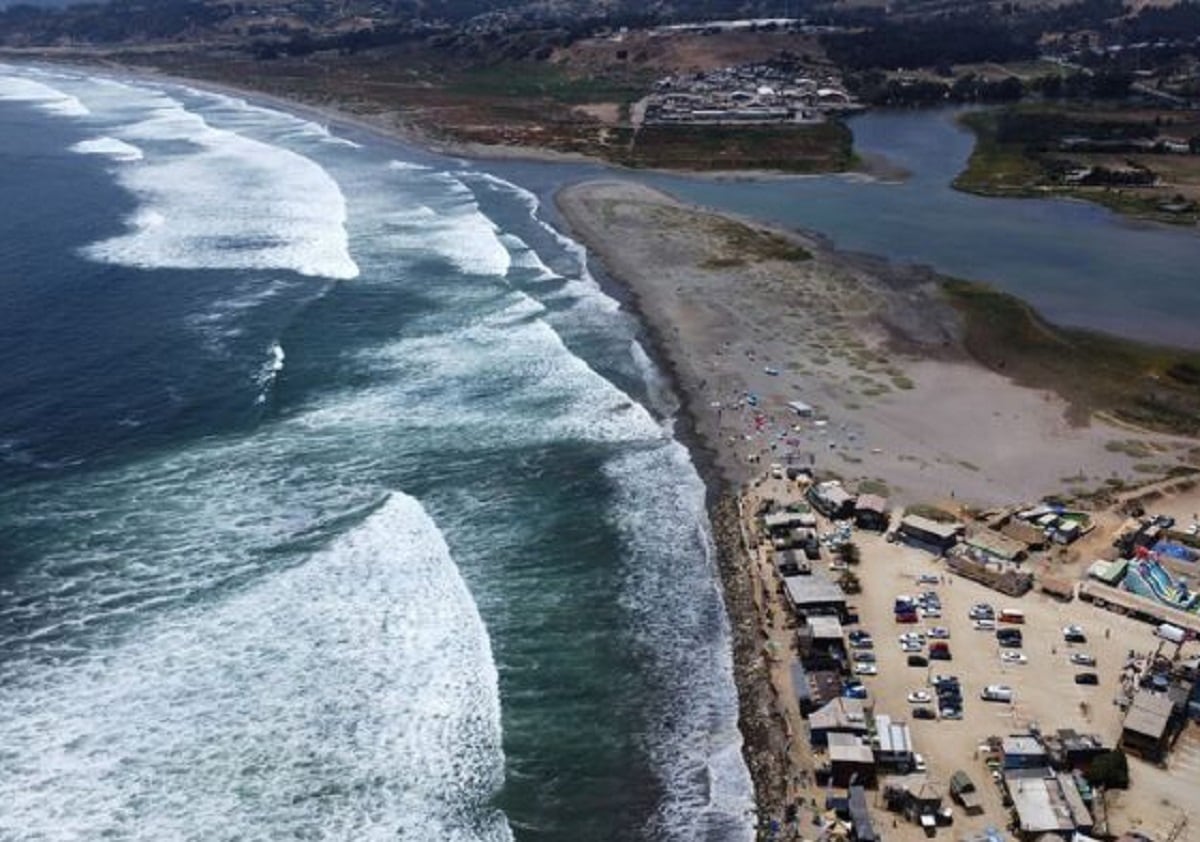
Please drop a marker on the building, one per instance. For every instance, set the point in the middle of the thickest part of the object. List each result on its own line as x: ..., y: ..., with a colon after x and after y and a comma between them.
x: 995, y: 546
x: 831, y: 500
x: 839, y: 716
x: 1047, y: 804
x: 1069, y: 749
x: 801, y: 408
x: 1146, y: 731
x: 871, y: 512
x: 1023, y: 752
x: 861, y: 829
x: 894, y: 747
x: 783, y: 523
x: 851, y: 761
x: 792, y: 563
x: 822, y: 645
x: 917, y: 797
x: 815, y: 595
x: 928, y: 534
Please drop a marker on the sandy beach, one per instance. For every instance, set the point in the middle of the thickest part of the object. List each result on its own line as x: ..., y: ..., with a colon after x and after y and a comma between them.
x: 747, y: 328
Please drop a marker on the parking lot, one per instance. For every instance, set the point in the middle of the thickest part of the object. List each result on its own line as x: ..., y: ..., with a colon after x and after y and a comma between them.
x: 1044, y: 691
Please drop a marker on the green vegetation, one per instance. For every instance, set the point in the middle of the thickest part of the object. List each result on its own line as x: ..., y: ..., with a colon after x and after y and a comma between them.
x: 1018, y: 153
x: 529, y: 80
x: 734, y: 244
x: 1109, y: 770
x: 931, y: 512
x: 824, y: 147
x: 1152, y: 387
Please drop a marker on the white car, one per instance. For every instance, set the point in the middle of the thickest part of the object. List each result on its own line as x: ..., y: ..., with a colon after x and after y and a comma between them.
x: 939, y: 633
x: 910, y: 646
x: 1083, y: 659
x: 931, y: 613
x: 984, y: 625
x: 919, y: 697
x: 912, y: 637
x: 1012, y: 656
x: 866, y: 669
x: 919, y: 763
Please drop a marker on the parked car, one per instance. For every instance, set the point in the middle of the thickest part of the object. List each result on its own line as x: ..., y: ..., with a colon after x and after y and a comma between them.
x: 919, y: 697
x: 918, y: 661
x: 939, y: 651
x: 951, y: 713
x: 997, y: 693
x: 866, y: 669
x: 862, y: 643
x: 1083, y: 659
x: 1008, y: 656
x: 1087, y: 678
x: 923, y: 713
x: 982, y: 611
x: 919, y: 764
x: 984, y: 625
x: 864, y: 657
x: 939, y: 633
x: 1074, y: 634
x: 855, y: 691
x: 909, y: 646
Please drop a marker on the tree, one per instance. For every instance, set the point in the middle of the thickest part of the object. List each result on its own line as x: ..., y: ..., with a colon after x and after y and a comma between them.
x: 849, y: 582
x: 849, y: 553
x: 1109, y: 770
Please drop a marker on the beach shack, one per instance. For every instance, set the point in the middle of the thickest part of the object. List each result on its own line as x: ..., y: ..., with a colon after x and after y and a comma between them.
x: 850, y: 760
x: 894, y: 747
x: 1146, y: 731
x: 962, y: 790
x: 831, y: 499
x: 838, y: 716
x: 1047, y: 804
x: 871, y: 512
x: 861, y: 829
x: 815, y: 595
x: 932, y: 535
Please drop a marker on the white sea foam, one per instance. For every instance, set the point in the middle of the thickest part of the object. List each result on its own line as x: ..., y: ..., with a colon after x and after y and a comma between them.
x: 353, y: 696
x: 457, y: 232
x: 671, y: 585
x: 43, y: 96
x: 214, y: 199
x: 109, y: 147
x: 270, y: 371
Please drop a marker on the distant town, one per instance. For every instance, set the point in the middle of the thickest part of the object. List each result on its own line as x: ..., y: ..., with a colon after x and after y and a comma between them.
x: 750, y: 93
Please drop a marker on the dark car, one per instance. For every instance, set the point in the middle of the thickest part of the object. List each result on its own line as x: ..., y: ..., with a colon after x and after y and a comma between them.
x: 918, y: 661
x: 1087, y: 678
x: 923, y: 713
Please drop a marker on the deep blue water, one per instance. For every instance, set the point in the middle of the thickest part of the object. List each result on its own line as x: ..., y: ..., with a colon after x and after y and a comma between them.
x: 336, y: 500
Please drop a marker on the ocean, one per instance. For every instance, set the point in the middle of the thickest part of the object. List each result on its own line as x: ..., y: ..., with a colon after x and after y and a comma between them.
x: 337, y: 499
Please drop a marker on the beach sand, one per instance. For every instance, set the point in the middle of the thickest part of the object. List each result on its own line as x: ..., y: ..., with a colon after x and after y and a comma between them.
x: 871, y: 347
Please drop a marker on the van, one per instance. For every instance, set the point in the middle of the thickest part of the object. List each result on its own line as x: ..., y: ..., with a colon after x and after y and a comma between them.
x: 1012, y: 615
x: 1170, y: 633
x: 997, y: 693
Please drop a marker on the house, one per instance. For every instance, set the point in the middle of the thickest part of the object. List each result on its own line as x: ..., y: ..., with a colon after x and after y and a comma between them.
x: 839, y: 716
x: 1069, y: 749
x: 928, y: 534
x: 995, y: 546
x: 815, y: 595
x: 850, y: 761
x: 822, y: 645
x: 1026, y: 533
x: 783, y: 523
x: 831, y: 500
x: 871, y: 512
x: 917, y: 797
x: 1146, y: 731
x: 1047, y: 804
x: 894, y: 748
x: 1023, y: 751
x: 792, y: 563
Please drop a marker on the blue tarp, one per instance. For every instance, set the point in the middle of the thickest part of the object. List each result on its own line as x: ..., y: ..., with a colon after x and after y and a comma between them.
x: 1175, y: 551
